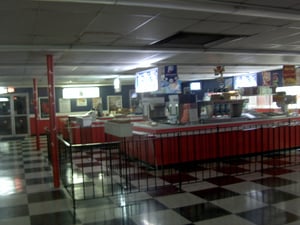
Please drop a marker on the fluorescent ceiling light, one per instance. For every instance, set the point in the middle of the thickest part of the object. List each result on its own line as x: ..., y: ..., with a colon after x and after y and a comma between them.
x: 4, y: 99
x: 3, y: 90
x: 289, y: 90
x: 117, y: 84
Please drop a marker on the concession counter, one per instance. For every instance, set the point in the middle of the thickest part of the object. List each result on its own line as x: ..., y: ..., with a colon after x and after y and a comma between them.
x: 164, y: 144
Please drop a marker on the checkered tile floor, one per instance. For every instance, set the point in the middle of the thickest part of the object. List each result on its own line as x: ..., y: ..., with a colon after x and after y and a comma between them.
x: 27, y: 197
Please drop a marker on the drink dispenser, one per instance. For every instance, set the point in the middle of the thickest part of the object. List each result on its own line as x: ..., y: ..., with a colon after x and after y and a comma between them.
x: 188, y: 111
x: 173, y: 109
x: 154, y: 108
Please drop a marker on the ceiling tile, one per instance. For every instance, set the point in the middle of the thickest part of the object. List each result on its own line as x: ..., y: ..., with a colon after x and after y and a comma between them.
x: 16, y: 23
x: 63, y: 19
x: 271, y: 22
x: 273, y: 3
x: 131, y: 10
x: 129, y: 42
x: 99, y: 38
x: 292, y: 39
x: 210, y: 27
x: 267, y: 37
x: 160, y: 28
x: 118, y: 24
x: 221, y: 17
x: 89, y: 41
x: 182, y: 14
x: 248, y: 29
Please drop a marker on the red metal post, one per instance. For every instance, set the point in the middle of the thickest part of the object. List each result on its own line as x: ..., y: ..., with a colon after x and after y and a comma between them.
x: 36, y: 114
x: 53, y: 130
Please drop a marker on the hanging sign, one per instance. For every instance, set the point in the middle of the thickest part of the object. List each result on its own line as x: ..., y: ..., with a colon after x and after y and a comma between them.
x: 170, y: 82
x: 171, y: 73
x: 289, y: 75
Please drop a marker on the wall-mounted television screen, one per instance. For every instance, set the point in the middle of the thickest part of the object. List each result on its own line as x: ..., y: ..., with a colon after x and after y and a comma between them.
x: 195, y: 86
x: 146, y: 81
x: 247, y: 80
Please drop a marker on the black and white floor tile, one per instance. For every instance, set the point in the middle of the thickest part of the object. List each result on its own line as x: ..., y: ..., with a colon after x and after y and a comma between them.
x: 27, y: 197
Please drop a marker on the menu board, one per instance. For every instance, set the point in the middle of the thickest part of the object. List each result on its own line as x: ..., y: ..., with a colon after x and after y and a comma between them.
x: 249, y: 80
x: 289, y: 75
x: 146, y: 81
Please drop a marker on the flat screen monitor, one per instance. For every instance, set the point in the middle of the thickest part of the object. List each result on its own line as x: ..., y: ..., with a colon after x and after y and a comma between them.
x: 195, y: 86
x: 134, y: 95
x: 247, y: 80
x: 146, y: 81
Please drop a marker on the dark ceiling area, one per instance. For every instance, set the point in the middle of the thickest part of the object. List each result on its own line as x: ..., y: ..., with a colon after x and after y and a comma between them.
x: 195, y: 40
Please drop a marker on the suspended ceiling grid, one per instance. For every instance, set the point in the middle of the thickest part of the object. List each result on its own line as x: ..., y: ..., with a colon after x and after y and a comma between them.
x: 94, y: 41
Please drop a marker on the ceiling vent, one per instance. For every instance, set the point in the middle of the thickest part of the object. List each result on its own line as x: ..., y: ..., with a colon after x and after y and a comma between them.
x: 200, y: 40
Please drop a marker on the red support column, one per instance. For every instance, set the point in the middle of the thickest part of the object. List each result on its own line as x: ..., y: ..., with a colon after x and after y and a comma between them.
x: 53, y: 130
x: 36, y: 114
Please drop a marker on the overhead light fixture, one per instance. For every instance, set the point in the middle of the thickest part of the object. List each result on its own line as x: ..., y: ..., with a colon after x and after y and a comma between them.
x: 289, y: 90
x: 117, y: 84
x: 3, y: 90
x: 10, y: 89
x: 4, y: 99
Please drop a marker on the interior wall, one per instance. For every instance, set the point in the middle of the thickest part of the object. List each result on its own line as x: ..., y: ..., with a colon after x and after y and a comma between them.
x: 104, y: 92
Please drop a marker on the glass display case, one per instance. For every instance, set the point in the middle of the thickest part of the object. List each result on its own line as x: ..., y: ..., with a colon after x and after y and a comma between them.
x: 280, y: 100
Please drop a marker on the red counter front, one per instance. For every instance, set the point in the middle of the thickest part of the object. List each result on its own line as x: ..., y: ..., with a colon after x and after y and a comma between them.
x: 167, y: 144
x: 44, y: 123
x: 83, y: 135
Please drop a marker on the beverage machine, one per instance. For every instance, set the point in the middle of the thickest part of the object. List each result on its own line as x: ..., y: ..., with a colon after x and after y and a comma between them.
x: 188, y: 110
x: 173, y: 109
x: 154, y: 109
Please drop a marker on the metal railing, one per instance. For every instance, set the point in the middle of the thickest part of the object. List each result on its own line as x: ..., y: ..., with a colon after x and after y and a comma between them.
x: 146, y: 162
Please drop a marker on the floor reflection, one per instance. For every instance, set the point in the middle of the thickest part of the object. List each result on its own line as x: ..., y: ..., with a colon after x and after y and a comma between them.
x: 11, y: 185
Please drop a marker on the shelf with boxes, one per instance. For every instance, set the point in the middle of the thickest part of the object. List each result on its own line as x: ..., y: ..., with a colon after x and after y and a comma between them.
x: 221, y: 105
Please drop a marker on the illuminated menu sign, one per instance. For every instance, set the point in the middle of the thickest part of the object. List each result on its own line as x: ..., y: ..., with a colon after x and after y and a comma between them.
x: 146, y: 81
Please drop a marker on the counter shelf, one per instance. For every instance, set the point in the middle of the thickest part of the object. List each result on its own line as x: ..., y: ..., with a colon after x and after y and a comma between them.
x: 220, y: 108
